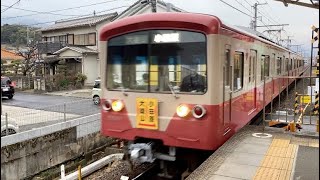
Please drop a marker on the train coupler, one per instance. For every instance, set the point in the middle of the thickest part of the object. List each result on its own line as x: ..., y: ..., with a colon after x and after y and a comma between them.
x: 143, y: 152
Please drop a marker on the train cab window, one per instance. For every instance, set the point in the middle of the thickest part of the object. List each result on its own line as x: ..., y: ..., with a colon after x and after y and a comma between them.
x: 265, y: 66
x: 160, y: 61
x: 238, y: 71
x: 279, y: 64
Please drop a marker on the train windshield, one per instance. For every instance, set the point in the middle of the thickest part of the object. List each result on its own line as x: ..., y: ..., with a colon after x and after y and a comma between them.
x: 159, y: 61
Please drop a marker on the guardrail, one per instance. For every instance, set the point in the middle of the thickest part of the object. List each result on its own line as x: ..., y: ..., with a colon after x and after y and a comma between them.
x: 27, y: 118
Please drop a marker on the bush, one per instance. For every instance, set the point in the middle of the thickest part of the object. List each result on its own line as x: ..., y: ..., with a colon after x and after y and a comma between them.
x: 80, y: 78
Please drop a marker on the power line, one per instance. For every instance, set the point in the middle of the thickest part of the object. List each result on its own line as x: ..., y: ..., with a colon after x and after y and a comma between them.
x: 10, y: 6
x: 78, y: 16
x: 243, y: 6
x: 38, y: 12
x: 235, y: 8
x: 61, y: 9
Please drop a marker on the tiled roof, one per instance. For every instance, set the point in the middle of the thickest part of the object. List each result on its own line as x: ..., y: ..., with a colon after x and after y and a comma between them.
x: 87, y: 21
x: 9, y: 55
x: 77, y: 49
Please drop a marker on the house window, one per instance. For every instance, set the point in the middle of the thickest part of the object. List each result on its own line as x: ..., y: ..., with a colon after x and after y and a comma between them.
x: 238, y: 71
x: 92, y: 39
x: 85, y: 39
x: 70, y: 39
x: 63, y: 39
x: 76, y: 39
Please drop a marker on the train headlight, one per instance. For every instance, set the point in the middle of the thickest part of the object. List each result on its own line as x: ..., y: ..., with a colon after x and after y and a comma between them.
x: 117, y: 105
x: 183, y: 110
x: 198, y: 111
x: 107, y: 105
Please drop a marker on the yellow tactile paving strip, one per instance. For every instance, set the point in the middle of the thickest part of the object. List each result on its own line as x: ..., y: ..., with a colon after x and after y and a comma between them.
x: 278, y: 161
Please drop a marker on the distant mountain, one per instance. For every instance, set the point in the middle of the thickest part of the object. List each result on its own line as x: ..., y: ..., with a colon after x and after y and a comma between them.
x: 23, y: 21
x: 17, y: 35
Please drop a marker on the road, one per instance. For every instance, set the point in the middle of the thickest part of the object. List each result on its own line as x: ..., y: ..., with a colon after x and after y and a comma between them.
x: 38, y: 110
x: 74, y: 105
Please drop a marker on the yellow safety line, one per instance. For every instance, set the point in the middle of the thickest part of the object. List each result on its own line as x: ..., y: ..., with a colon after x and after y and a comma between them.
x: 278, y: 161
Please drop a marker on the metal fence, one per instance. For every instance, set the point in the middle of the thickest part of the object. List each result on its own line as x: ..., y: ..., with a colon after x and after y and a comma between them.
x: 297, y: 104
x: 36, y: 117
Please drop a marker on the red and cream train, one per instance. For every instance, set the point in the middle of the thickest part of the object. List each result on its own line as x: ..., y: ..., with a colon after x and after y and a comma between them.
x: 145, y: 59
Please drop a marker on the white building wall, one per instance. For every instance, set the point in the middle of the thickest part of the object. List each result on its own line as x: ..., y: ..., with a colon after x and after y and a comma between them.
x: 90, y: 68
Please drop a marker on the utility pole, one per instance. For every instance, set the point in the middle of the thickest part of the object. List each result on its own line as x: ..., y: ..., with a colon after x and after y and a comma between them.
x: 154, y: 6
x: 255, y: 18
x: 289, y: 41
x: 298, y: 47
x: 27, y: 36
x: 277, y: 31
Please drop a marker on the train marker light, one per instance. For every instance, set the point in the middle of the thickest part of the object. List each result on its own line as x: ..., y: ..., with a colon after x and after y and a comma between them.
x: 117, y: 105
x: 183, y: 110
x: 107, y: 105
x: 198, y: 111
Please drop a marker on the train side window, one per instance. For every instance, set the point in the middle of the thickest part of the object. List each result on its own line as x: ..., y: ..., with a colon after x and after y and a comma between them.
x: 265, y: 66
x: 273, y: 64
x: 279, y: 63
x: 286, y: 66
x: 228, y: 67
x: 252, y: 67
x: 290, y: 65
x: 238, y: 71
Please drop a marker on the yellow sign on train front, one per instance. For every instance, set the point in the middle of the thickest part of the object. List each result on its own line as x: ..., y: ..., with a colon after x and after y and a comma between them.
x: 147, y: 113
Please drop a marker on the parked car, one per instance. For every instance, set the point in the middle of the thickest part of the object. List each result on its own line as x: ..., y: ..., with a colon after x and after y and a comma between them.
x: 7, y: 88
x: 13, y: 127
x: 96, y: 92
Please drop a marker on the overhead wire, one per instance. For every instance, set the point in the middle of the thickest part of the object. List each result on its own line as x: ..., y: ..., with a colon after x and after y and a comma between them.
x: 61, y: 9
x: 38, y: 12
x: 10, y: 6
x: 235, y: 8
x: 86, y: 15
x: 243, y: 6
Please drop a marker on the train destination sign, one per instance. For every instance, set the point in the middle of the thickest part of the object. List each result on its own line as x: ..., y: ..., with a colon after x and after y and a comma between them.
x: 165, y: 38
x: 147, y: 113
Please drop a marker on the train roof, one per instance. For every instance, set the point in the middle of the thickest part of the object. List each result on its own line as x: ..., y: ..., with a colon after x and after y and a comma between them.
x: 208, y: 24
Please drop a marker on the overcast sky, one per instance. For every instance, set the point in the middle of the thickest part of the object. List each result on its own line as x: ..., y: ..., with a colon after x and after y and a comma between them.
x: 300, y: 19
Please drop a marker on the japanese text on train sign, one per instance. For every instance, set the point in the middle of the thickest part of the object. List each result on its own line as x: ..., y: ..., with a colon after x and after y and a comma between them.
x: 147, y: 113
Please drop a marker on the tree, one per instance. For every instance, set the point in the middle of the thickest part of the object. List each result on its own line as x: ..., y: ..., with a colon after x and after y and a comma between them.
x: 17, y: 34
x: 28, y: 64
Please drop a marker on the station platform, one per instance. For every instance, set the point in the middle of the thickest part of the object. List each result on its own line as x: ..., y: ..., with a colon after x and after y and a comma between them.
x: 269, y: 154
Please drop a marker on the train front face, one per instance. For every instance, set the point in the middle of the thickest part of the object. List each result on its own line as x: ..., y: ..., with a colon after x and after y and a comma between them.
x: 156, y: 88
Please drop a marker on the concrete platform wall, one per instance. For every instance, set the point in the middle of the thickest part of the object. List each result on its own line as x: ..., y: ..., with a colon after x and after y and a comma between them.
x: 30, y: 152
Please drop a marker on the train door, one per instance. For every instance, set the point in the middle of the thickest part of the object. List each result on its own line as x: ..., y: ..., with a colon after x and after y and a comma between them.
x: 252, y: 80
x: 227, y: 89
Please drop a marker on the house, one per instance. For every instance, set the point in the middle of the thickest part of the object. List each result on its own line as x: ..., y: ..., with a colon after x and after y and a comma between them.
x: 7, y: 60
x: 76, y: 41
